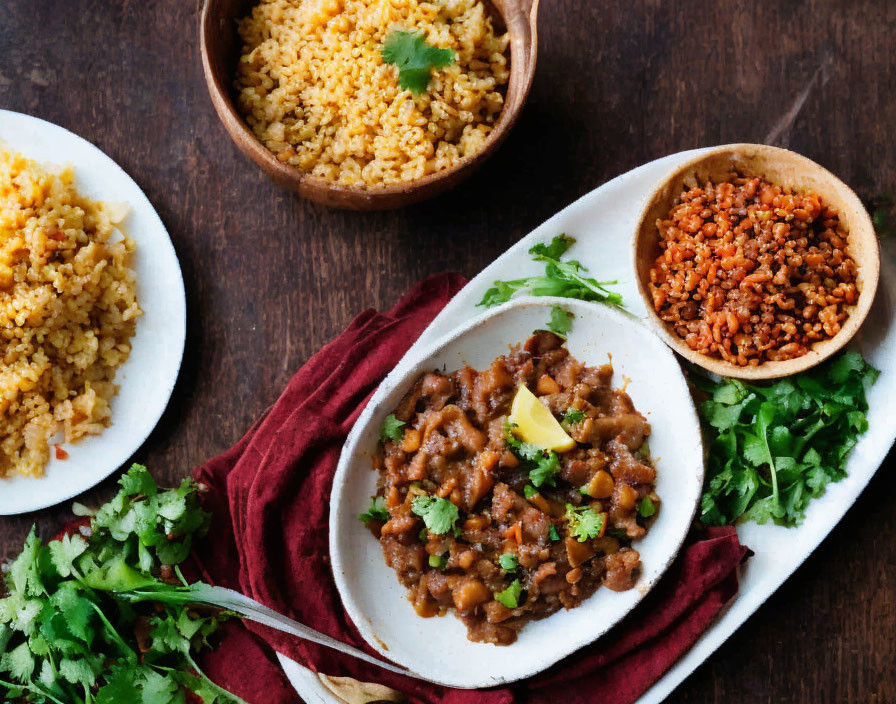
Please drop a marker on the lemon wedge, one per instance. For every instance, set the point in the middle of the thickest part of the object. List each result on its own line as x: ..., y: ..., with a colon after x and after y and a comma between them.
x: 536, y: 425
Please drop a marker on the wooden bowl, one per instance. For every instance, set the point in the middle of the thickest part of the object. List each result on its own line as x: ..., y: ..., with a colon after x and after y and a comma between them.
x: 791, y: 171
x: 220, y: 48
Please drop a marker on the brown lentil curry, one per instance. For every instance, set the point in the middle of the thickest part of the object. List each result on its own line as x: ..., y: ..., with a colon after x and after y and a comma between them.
x: 514, y: 553
x: 750, y: 273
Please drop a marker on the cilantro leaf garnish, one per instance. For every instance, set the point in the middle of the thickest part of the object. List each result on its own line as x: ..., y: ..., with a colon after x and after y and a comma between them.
x: 566, y: 279
x: 573, y: 416
x: 508, y: 562
x: 543, y: 465
x: 547, y: 466
x: 376, y: 512
x: 553, y: 534
x: 561, y: 321
x: 438, y: 514
x: 414, y: 58
x: 583, y: 523
x: 773, y: 447
x: 392, y: 429
x: 510, y: 597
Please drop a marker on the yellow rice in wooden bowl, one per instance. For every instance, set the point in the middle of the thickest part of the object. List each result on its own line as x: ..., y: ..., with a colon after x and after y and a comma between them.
x: 313, y: 87
x: 68, y: 309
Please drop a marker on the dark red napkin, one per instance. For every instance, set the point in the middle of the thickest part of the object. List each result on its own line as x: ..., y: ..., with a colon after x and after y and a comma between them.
x: 269, y: 498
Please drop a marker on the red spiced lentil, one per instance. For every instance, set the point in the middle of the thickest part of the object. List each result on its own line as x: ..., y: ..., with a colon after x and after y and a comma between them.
x: 454, y: 446
x: 750, y: 272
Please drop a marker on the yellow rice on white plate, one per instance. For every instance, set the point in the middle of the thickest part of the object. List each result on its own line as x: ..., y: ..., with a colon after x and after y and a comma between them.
x: 312, y: 85
x: 68, y: 309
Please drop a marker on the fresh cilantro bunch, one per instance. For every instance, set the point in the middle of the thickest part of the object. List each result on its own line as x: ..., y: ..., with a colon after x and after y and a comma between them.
x: 542, y: 465
x: 70, y: 634
x: 566, y: 279
x: 774, y: 447
x: 415, y: 59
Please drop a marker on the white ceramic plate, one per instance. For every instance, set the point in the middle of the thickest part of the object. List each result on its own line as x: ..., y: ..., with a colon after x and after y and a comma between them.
x: 370, y: 591
x: 603, y: 221
x: 147, y: 378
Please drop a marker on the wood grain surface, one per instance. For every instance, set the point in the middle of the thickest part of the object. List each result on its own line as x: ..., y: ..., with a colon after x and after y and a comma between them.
x: 271, y: 278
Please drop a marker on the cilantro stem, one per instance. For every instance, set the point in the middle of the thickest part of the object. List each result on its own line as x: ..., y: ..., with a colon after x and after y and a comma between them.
x: 771, y: 463
x: 126, y: 649
x: 32, y: 688
x: 221, y: 692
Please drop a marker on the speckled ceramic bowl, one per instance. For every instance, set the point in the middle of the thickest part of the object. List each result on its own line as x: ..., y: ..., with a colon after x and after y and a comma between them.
x: 437, y: 649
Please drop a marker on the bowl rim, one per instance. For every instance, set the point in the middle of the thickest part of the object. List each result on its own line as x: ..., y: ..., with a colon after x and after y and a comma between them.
x: 860, y: 224
x: 404, y: 372
x: 293, y: 177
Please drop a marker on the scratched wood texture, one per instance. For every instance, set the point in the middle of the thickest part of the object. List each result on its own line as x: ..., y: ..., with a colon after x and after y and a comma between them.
x: 271, y: 278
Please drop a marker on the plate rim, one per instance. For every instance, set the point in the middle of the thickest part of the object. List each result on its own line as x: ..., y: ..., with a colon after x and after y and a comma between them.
x: 154, y: 222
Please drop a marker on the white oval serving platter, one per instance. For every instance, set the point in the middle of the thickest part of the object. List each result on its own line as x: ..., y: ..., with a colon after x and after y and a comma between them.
x: 370, y: 591
x: 603, y: 221
x: 147, y: 378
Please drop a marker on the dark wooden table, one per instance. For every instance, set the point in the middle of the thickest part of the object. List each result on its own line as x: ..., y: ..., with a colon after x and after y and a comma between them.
x: 271, y: 278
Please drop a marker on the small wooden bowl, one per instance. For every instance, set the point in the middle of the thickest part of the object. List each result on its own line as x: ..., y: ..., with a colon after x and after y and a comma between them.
x: 220, y: 48
x: 783, y: 168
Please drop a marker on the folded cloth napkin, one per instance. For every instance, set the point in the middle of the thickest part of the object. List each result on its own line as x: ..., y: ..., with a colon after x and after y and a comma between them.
x: 269, y: 500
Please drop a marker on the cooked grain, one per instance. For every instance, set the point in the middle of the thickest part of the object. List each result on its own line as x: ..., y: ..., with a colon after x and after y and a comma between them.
x: 312, y: 85
x: 750, y: 272
x: 68, y: 309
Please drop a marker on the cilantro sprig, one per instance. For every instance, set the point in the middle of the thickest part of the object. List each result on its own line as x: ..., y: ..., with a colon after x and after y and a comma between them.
x: 572, y: 416
x: 439, y: 515
x: 542, y: 465
x: 376, y: 512
x: 774, y: 447
x: 567, y: 279
x: 71, y: 614
x: 414, y: 58
x: 584, y: 523
x: 392, y: 429
x: 561, y: 321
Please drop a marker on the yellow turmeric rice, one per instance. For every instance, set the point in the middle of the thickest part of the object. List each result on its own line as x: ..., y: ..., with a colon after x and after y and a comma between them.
x: 68, y: 309
x: 312, y: 85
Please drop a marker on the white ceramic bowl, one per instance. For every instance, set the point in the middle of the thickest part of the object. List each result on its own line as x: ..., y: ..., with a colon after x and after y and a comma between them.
x: 437, y: 649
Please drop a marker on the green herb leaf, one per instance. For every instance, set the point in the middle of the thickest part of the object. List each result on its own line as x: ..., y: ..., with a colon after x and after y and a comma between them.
x: 646, y: 508
x: 508, y: 562
x: 510, y: 597
x: 393, y: 429
x: 547, y: 467
x: 583, y: 523
x: 438, y: 514
x: 566, y: 279
x: 775, y: 446
x: 529, y: 491
x: 414, y: 58
x: 573, y: 416
x: 553, y: 534
x: 561, y: 321
x: 376, y: 512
